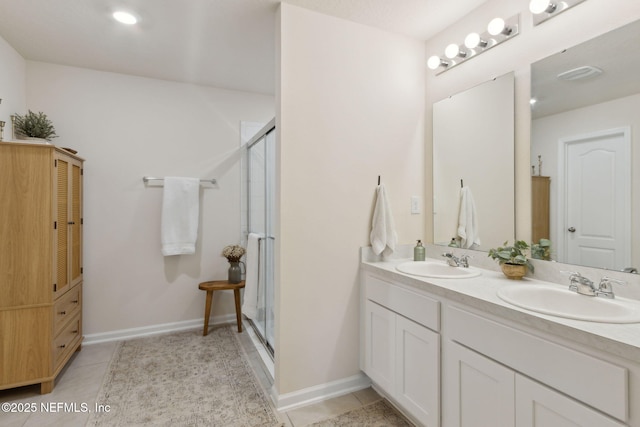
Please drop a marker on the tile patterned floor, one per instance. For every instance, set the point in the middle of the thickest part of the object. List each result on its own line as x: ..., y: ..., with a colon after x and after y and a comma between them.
x: 80, y: 382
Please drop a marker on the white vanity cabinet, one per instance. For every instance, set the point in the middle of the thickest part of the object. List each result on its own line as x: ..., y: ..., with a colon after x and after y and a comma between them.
x: 452, y: 357
x: 401, y: 352
x: 479, y: 390
x: 501, y: 376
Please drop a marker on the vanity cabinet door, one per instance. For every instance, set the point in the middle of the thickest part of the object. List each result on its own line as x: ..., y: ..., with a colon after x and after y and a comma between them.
x: 418, y: 370
x: 380, y: 329
x: 540, y: 406
x: 479, y: 391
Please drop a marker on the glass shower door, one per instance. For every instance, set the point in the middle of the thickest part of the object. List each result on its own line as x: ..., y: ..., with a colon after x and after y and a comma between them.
x: 261, y: 204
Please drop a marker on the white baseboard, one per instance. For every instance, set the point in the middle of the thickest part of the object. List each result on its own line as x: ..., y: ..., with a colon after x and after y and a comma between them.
x: 145, y: 331
x: 308, y: 396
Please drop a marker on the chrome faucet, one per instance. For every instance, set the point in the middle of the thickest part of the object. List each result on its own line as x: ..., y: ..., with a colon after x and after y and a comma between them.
x: 584, y: 286
x: 454, y: 261
x: 605, y: 289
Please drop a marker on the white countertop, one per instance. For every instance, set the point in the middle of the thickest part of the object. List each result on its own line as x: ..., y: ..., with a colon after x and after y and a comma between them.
x: 480, y: 293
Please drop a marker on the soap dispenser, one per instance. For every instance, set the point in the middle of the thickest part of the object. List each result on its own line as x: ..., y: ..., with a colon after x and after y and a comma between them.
x: 418, y: 252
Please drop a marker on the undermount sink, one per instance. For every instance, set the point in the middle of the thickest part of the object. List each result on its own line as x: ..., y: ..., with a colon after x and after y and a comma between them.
x: 437, y: 270
x: 561, y: 302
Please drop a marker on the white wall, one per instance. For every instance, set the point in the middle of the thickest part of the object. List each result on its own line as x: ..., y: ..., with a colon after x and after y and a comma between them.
x: 12, y: 85
x: 127, y: 127
x: 350, y: 108
x: 583, y: 22
x: 547, y: 131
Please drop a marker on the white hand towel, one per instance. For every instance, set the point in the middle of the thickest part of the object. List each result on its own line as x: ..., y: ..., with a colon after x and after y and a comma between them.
x: 252, y: 264
x: 180, y: 206
x: 468, y: 220
x: 383, y: 235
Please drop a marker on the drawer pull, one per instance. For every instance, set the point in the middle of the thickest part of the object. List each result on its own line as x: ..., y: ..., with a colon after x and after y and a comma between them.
x: 74, y: 332
x: 62, y: 313
x: 75, y: 301
x: 62, y: 346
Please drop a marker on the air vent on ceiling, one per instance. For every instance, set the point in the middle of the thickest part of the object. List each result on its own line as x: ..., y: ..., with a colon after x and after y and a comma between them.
x: 584, y: 72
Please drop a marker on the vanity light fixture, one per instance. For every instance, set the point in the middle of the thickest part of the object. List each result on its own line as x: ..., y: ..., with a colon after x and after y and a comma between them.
x: 498, y: 26
x: 125, y: 17
x: 498, y: 31
x: 473, y: 40
x: 543, y: 10
x: 435, y: 61
x: 453, y: 50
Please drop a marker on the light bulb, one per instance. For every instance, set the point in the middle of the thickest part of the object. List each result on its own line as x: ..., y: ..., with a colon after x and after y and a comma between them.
x: 452, y: 51
x: 540, y: 6
x: 434, y: 62
x: 472, y: 40
x: 496, y: 26
x: 125, y: 17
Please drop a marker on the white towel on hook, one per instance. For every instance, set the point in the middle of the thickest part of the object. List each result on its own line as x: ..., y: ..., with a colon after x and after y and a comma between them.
x: 383, y: 235
x: 180, y: 206
x: 468, y: 220
x: 252, y: 277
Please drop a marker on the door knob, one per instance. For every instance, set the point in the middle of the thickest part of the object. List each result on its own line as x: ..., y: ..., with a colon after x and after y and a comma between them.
x: 572, y: 229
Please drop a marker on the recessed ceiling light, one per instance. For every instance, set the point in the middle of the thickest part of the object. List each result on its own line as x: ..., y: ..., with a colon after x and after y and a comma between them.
x: 125, y: 17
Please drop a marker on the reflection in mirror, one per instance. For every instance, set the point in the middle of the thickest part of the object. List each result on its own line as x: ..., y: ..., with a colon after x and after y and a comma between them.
x: 585, y: 188
x: 473, y: 145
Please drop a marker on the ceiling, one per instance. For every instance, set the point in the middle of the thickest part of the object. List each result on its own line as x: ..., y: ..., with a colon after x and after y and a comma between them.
x: 616, y: 53
x: 222, y: 43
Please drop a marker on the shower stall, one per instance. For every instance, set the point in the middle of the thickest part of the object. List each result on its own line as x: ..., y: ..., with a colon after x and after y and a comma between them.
x: 260, y: 217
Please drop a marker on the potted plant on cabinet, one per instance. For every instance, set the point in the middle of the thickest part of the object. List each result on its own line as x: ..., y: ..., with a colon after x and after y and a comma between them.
x: 512, y: 259
x: 34, y: 125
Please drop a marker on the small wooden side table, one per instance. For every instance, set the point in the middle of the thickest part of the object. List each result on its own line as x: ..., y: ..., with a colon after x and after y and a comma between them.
x: 221, y: 285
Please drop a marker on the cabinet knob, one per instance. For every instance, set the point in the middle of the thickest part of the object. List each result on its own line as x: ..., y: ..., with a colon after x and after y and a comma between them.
x: 571, y: 229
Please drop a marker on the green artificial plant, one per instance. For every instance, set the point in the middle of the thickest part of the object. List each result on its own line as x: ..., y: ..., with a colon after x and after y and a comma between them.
x: 34, y: 125
x: 512, y: 254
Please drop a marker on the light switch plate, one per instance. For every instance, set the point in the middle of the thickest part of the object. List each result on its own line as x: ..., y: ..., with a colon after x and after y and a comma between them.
x: 415, y: 205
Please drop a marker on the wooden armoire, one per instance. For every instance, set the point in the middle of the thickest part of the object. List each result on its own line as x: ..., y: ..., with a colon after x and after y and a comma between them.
x: 40, y: 262
x: 540, y: 220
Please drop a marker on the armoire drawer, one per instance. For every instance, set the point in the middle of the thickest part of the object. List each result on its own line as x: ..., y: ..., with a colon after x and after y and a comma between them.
x: 66, y: 307
x: 65, y: 342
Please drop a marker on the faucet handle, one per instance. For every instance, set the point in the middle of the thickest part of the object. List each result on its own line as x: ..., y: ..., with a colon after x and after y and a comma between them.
x: 464, y: 260
x: 574, y: 276
x: 605, y: 289
x: 580, y: 284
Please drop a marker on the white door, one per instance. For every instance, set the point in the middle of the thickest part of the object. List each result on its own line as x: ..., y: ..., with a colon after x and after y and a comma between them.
x: 379, y: 360
x: 540, y: 406
x: 417, y: 371
x: 595, y: 228
x: 481, y: 391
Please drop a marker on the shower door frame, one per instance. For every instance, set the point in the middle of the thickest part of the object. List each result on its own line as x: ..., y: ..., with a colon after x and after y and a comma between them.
x: 265, y: 244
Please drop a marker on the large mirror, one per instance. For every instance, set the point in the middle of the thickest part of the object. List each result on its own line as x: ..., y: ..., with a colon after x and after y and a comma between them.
x: 473, y: 166
x: 585, y: 127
